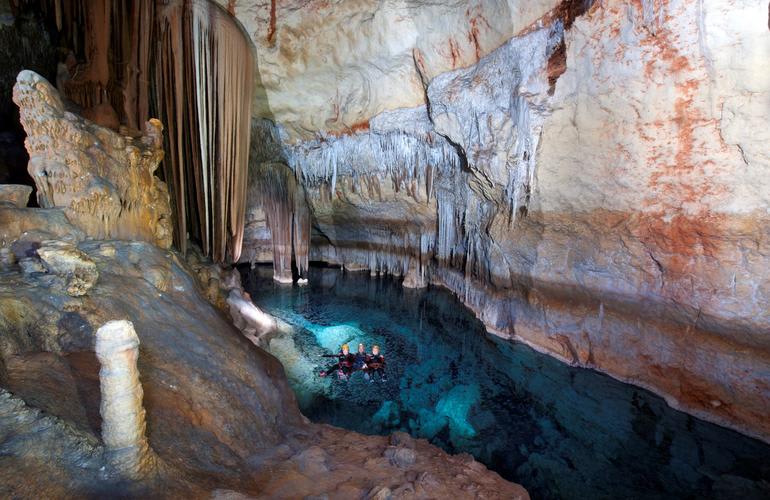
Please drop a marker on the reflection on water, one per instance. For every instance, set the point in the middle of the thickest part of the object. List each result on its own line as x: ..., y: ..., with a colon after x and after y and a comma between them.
x: 560, y: 431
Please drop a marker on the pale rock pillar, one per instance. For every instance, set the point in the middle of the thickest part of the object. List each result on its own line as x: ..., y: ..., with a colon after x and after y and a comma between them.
x: 123, y: 423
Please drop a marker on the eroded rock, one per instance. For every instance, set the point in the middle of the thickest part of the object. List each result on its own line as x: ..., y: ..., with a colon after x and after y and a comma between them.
x: 104, y: 182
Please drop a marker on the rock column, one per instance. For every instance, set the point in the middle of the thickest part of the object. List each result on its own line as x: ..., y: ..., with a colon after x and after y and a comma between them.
x: 123, y: 424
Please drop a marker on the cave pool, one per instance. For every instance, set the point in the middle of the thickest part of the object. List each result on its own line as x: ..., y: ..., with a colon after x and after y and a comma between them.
x: 560, y: 431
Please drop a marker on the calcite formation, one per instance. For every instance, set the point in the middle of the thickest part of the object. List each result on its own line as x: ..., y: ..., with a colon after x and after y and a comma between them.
x: 123, y: 420
x: 103, y: 181
x: 187, y: 63
x: 589, y: 177
x: 287, y: 217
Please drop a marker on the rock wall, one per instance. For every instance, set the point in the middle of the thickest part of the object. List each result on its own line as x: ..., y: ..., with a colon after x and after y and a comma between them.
x: 346, y: 61
x: 591, y: 180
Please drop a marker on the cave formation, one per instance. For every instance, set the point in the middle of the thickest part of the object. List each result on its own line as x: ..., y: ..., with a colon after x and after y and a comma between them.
x: 589, y: 179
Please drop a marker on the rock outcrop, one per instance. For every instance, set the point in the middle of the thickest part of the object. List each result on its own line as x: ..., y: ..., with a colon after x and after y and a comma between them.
x: 103, y: 181
x: 590, y: 179
x: 331, y: 66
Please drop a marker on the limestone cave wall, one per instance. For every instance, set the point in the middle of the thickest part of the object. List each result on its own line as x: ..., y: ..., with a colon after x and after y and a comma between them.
x: 589, y: 177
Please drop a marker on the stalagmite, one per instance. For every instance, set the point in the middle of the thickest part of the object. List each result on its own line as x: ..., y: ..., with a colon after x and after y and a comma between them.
x: 123, y: 424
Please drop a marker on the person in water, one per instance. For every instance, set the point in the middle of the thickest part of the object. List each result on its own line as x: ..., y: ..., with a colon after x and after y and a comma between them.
x: 375, y: 365
x: 361, y: 356
x: 344, y: 364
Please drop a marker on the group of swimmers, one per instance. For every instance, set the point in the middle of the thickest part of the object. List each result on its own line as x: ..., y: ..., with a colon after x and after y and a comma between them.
x: 373, y: 365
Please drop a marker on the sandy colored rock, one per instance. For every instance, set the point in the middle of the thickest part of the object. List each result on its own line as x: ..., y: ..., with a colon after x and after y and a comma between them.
x: 73, y: 266
x: 15, y: 194
x: 104, y: 182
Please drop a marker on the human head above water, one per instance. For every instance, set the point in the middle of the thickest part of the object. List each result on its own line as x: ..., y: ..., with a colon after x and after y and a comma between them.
x: 361, y: 348
x: 375, y: 349
x: 345, y: 349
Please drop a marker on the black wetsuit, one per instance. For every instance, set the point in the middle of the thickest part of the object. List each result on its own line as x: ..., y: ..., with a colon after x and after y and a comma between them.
x: 344, y: 363
x: 376, y: 365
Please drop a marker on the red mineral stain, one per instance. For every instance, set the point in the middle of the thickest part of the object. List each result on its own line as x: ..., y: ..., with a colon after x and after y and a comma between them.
x: 557, y: 65
x: 358, y: 127
x: 271, y: 27
x: 682, y: 235
x: 476, y: 22
x: 454, y: 52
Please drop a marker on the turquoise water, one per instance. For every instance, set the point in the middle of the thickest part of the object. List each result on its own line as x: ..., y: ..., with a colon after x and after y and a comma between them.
x: 560, y: 431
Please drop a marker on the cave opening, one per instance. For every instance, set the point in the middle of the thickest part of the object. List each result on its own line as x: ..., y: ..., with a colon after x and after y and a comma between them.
x: 560, y: 431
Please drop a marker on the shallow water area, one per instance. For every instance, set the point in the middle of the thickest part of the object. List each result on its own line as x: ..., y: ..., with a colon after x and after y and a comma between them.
x: 560, y: 431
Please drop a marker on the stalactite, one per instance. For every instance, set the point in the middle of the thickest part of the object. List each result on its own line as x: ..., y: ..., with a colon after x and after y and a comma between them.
x: 288, y: 217
x: 209, y: 89
x: 189, y: 63
x: 401, y: 156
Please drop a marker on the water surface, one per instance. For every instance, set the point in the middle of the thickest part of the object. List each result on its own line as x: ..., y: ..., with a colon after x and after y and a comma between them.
x: 560, y: 431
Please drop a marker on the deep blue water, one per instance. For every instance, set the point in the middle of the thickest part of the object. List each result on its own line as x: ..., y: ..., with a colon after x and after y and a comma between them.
x: 560, y: 431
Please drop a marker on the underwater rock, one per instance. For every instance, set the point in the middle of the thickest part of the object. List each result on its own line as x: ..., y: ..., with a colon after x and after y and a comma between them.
x: 400, y: 456
x: 332, y: 337
x: 104, y: 182
x: 388, y: 417
x: 15, y: 194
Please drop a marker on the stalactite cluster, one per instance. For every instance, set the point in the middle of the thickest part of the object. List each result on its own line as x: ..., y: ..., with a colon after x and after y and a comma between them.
x: 188, y: 63
x: 409, y: 160
x: 204, y: 89
x: 288, y: 217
